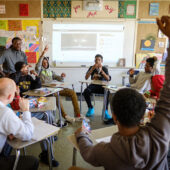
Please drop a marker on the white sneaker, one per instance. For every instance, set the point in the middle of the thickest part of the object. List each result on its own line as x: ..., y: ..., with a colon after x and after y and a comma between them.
x: 70, y: 119
x: 81, y: 118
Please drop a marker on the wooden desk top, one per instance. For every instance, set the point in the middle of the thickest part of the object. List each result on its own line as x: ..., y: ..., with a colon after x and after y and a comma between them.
x: 95, y: 134
x: 114, y: 88
x: 97, y: 82
x: 42, y: 131
x: 39, y: 92
x: 57, y: 84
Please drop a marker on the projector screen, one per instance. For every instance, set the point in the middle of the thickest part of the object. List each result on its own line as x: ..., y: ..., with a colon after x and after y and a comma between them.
x: 79, y: 43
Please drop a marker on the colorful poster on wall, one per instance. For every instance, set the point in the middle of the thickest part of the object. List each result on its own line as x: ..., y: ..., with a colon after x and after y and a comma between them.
x: 31, y: 57
x: 127, y: 9
x: 142, y: 57
x: 14, y: 25
x: 154, y: 9
x: 23, y: 9
x: 27, y: 30
x: 147, y: 45
x: 3, y: 41
x: 3, y: 25
x: 57, y: 8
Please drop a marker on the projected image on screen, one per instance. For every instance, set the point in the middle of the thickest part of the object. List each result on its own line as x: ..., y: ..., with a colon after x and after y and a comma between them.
x: 78, y: 42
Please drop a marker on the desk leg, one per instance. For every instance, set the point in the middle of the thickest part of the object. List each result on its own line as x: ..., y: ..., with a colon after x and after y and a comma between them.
x: 16, y: 159
x: 123, y: 81
x: 59, y: 108
x: 49, y: 153
x: 104, y: 103
x: 73, y: 87
x: 24, y: 151
x: 74, y: 157
x: 81, y: 98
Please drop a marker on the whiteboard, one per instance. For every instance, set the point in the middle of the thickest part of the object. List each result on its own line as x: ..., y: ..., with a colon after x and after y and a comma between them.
x: 76, y: 43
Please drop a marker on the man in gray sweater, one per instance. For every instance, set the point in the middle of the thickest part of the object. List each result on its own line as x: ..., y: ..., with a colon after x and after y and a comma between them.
x: 12, y: 55
x: 134, y: 147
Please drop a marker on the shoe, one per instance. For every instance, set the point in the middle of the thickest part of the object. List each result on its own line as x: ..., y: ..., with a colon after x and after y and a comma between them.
x: 109, y: 122
x: 107, y: 116
x: 44, y: 158
x: 70, y: 119
x: 63, y: 124
x: 90, y: 112
x: 81, y: 118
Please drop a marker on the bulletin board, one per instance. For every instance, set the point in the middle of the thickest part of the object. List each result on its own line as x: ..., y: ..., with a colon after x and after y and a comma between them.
x: 27, y: 30
x: 149, y: 31
x: 12, y: 9
x: 144, y: 7
x: 109, y: 10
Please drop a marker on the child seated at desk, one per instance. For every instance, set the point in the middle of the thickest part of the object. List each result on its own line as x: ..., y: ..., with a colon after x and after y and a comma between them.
x: 133, y: 146
x: 47, y: 76
x: 25, y: 83
x: 97, y: 72
x: 141, y: 81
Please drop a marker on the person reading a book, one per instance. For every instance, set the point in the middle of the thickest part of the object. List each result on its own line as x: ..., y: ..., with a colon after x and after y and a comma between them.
x: 134, y: 146
x: 47, y: 75
x: 25, y: 83
x: 97, y: 72
x: 13, y: 127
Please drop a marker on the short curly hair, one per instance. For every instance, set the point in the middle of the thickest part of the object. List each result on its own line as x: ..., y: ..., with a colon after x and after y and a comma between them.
x: 129, y: 107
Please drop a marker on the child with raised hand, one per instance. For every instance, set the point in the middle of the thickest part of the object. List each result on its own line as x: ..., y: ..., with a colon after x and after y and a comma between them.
x: 47, y: 76
x: 134, y: 146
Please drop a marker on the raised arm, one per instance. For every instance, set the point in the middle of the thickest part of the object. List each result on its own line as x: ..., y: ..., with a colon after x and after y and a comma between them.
x: 39, y: 63
x: 161, y: 122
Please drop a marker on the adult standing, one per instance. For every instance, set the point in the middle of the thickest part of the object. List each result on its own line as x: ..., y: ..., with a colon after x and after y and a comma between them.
x: 12, y: 55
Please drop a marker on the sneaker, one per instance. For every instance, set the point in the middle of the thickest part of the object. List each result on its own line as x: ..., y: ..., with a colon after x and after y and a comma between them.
x: 107, y: 116
x: 81, y: 118
x: 90, y: 112
x: 109, y: 122
x: 63, y: 124
x: 70, y: 119
x: 44, y: 159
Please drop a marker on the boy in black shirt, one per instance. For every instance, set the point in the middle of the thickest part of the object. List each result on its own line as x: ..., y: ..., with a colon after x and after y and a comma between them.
x: 23, y: 80
x: 97, y: 72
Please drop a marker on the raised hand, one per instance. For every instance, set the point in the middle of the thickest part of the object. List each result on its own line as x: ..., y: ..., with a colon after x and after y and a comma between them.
x: 164, y: 25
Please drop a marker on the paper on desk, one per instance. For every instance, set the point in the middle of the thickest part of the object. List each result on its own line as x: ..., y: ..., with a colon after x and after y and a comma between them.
x: 42, y: 129
x: 105, y: 139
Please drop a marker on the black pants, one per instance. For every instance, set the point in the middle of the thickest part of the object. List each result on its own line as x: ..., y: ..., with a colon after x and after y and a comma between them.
x: 168, y: 157
x: 97, y: 89
x: 24, y: 163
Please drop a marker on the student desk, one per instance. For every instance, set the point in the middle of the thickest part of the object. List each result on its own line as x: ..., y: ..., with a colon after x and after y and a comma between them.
x: 96, y: 82
x: 95, y: 134
x: 52, y: 92
x: 42, y: 131
x: 57, y: 84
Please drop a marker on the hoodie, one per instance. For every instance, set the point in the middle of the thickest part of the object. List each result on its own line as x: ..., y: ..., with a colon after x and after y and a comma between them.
x: 146, y: 150
x: 157, y: 84
x: 46, y: 74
